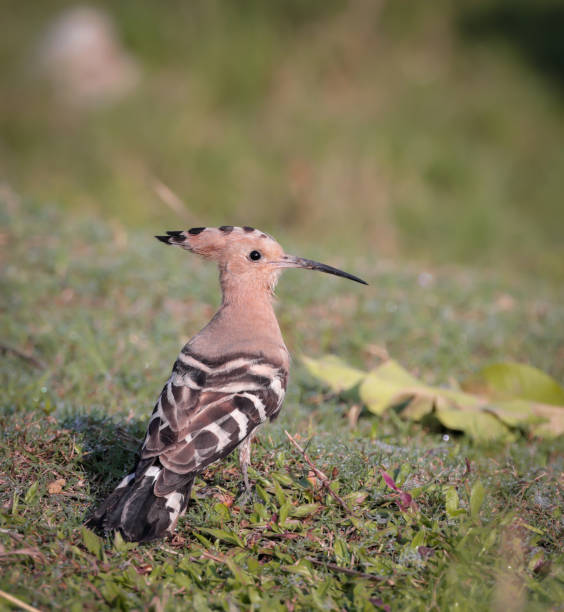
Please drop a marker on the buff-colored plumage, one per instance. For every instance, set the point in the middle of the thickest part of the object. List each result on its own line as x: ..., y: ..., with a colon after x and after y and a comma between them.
x: 228, y: 380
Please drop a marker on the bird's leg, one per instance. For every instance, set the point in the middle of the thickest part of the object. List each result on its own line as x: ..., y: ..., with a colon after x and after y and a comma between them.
x: 244, y: 461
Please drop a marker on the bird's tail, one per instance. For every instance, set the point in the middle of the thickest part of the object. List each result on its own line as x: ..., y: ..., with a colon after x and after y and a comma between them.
x: 139, y: 510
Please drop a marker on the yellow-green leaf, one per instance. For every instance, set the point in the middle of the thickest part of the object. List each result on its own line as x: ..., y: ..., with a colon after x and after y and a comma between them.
x: 515, y: 412
x: 544, y: 420
x: 477, y: 495
x: 334, y: 372
x: 451, y: 501
x: 280, y: 495
x: 31, y: 493
x: 341, y: 550
x: 93, y: 543
x: 283, y: 479
x: 387, y: 385
x: 518, y: 380
x: 120, y: 544
x: 301, y: 567
x: 239, y: 574
x: 222, y: 534
x: 303, y: 510
x: 391, y: 385
x: 477, y: 424
x: 284, y: 511
x: 418, y: 540
x: 480, y: 417
x: 356, y: 497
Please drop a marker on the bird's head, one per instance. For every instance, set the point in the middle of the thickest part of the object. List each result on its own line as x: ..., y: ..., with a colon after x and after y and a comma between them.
x: 245, y: 256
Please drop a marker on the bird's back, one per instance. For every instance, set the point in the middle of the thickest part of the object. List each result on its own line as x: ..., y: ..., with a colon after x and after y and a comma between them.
x: 226, y: 382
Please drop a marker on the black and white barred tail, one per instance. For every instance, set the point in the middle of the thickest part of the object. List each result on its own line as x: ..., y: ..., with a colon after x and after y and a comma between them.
x: 206, y: 409
x: 137, y: 512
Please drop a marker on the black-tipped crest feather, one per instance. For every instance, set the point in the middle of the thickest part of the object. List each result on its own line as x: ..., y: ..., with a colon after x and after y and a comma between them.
x: 165, y: 239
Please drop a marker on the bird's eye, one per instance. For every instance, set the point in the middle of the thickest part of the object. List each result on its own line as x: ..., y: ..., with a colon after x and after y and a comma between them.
x: 255, y: 255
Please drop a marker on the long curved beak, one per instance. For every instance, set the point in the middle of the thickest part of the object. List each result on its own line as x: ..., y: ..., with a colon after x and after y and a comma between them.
x: 290, y: 261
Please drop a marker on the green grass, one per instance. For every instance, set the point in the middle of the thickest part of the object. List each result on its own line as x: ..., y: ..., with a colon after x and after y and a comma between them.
x: 103, y: 311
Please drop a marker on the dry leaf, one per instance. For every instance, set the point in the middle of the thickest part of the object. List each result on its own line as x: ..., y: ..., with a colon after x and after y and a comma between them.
x: 56, y: 486
x: 312, y: 479
x: 224, y: 498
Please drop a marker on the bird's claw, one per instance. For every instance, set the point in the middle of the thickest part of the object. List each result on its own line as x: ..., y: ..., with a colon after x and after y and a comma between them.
x: 248, y: 496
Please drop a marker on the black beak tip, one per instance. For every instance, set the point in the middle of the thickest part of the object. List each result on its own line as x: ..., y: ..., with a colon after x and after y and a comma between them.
x: 310, y: 264
x: 356, y: 279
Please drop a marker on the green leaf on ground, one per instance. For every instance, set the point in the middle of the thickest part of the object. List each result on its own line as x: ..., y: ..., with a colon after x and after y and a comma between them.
x: 482, y: 418
x: 451, y: 501
x: 304, y: 510
x: 391, y: 385
x: 477, y: 495
x: 518, y: 380
x: 479, y: 425
x: 93, y: 544
x: 222, y: 534
x: 334, y: 372
x: 31, y: 493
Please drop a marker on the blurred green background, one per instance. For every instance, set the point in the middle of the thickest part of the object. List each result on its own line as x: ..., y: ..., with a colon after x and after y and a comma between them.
x: 428, y: 131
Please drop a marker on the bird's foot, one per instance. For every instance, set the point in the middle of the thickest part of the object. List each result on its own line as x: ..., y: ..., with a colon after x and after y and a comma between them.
x: 248, y: 496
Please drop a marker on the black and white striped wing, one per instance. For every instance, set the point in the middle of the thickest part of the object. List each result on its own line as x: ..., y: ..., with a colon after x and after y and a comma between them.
x: 178, y: 401
x: 207, y: 409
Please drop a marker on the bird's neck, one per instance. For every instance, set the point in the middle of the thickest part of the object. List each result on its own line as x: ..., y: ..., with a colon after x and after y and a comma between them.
x: 251, y: 311
x: 245, y: 322
x: 245, y: 296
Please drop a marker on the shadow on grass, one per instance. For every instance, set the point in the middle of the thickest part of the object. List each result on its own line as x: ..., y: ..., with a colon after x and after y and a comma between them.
x: 109, y: 449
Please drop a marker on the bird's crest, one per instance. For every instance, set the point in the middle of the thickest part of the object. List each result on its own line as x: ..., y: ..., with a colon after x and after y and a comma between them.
x: 212, y: 241
x: 246, y: 250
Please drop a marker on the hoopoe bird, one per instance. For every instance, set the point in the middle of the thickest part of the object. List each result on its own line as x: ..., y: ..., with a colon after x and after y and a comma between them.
x: 228, y: 380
